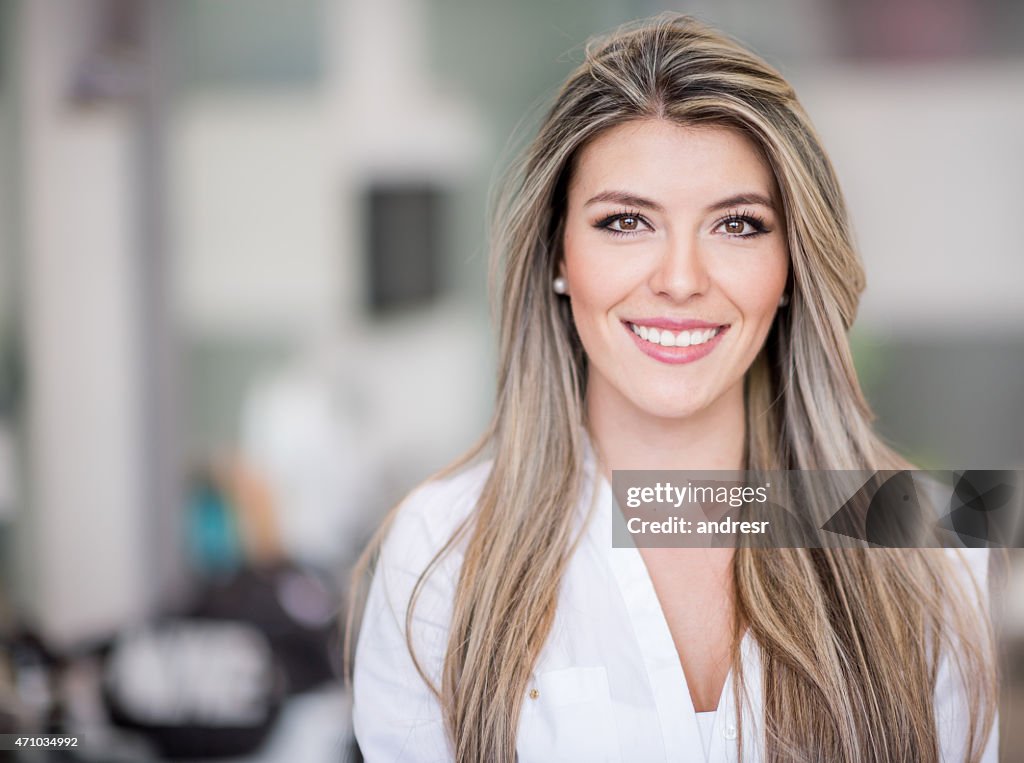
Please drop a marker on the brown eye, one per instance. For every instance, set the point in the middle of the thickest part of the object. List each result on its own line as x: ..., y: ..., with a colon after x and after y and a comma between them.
x: 740, y: 227
x: 624, y: 222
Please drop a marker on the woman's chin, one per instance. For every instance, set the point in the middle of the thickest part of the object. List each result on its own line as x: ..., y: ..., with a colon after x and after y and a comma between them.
x: 671, y: 409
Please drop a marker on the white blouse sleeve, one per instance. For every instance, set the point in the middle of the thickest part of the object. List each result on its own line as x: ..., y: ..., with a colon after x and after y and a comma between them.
x: 951, y: 713
x: 396, y: 716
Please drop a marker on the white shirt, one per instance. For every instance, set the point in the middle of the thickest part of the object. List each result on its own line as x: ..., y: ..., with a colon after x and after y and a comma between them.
x: 706, y: 723
x: 608, y: 685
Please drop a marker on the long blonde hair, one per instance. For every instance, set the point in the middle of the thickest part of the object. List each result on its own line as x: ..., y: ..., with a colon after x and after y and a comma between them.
x: 834, y: 627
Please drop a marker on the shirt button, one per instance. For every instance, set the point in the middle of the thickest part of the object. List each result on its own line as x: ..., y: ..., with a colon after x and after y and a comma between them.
x: 534, y: 694
x: 729, y: 732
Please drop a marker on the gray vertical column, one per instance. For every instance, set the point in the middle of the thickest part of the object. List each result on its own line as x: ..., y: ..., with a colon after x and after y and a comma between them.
x: 159, y: 347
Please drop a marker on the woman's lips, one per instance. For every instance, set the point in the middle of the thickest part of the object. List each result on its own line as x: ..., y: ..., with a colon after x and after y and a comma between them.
x: 689, y: 340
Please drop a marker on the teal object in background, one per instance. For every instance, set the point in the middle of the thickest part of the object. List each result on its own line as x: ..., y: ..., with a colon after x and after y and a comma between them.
x: 212, y: 536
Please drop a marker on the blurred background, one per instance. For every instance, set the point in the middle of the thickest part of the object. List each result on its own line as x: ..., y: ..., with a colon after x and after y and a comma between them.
x: 243, y: 310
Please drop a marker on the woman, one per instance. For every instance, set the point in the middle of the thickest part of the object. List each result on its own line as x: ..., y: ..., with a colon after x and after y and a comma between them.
x: 677, y: 281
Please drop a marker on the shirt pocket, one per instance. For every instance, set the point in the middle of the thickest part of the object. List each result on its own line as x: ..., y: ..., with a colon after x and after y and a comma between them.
x: 568, y: 717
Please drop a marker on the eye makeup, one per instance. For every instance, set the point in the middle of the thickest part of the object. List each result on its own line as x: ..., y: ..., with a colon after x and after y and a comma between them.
x: 751, y: 218
x: 628, y: 222
x: 625, y: 218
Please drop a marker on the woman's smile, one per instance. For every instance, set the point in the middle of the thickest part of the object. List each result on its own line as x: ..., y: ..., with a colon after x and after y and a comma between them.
x: 664, y: 341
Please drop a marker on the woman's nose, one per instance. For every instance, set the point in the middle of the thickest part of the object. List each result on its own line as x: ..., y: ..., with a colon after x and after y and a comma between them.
x: 680, y: 271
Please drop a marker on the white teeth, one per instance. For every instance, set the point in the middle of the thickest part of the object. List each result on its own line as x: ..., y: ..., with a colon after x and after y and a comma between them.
x: 666, y: 338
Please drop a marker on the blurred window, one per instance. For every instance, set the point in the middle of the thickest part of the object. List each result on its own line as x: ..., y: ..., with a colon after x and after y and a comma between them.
x: 404, y: 245
x: 240, y: 43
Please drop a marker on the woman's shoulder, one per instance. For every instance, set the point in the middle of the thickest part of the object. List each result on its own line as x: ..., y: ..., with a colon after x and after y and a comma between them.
x: 395, y: 713
x: 961, y: 676
x: 971, y: 568
x: 431, y: 514
x: 971, y: 561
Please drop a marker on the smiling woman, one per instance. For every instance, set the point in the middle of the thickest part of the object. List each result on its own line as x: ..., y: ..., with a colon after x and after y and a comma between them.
x: 676, y: 282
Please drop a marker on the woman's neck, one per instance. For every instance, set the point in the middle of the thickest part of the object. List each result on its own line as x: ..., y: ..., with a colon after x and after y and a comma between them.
x: 627, y: 437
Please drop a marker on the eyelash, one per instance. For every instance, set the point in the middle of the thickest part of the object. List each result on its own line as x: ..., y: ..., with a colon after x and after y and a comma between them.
x: 606, y: 222
x: 755, y: 220
x: 752, y: 218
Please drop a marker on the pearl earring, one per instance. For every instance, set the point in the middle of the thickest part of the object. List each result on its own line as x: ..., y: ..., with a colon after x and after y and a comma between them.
x: 559, y: 285
x: 783, y: 300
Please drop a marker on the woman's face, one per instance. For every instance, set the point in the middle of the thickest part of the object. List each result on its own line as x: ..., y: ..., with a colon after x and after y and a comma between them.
x: 675, y: 256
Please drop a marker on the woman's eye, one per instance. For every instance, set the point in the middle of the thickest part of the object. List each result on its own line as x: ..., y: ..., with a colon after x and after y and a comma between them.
x: 741, y: 227
x: 623, y: 223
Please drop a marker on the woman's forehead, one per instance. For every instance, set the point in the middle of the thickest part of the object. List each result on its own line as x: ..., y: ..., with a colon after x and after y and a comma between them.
x: 669, y: 162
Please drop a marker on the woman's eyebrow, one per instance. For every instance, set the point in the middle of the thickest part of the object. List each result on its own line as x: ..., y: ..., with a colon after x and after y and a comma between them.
x: 632, y: 200
x: 741, y: 199
x: 626, y: 199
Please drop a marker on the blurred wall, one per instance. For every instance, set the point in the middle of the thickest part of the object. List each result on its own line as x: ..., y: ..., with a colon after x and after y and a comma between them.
x: 929, y: 158
x: 8, y: 314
